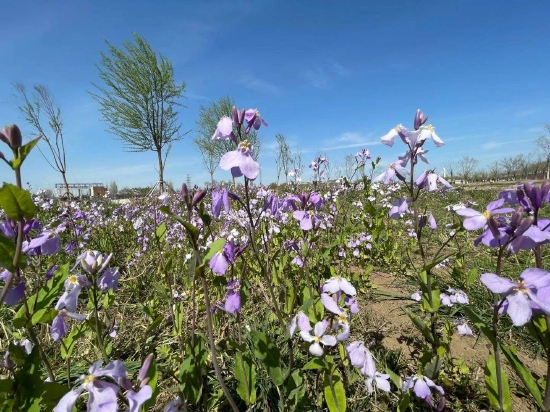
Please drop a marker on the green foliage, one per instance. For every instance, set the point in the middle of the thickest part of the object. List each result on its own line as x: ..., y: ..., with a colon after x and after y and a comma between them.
x: 39, y: 305
x: 492, y: 387
x: 245, y: 373
x: 139, y: 98
x: 16, y: 202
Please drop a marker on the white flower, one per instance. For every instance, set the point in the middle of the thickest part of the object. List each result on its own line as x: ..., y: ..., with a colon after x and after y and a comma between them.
x: 319, y: 330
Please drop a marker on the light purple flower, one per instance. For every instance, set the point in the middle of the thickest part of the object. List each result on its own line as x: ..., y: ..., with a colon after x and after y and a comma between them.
x: 317, y: 338
x: 220, y: 197
x: 421, y: 386
x: 463, y: 328
x: 399, y: 208
x: 305, y: 217
x: 73, y: 286
x: 391, y: 172
x: 338, y: 283
x: 253, y: 119
x: 476, y: 220
x: 224, y: 130
x: 218, y: 263
x: 532, y: 287
x: 241, y: 162
x: 102, y: 395
x: 302, y: 321
x: 233, y: 297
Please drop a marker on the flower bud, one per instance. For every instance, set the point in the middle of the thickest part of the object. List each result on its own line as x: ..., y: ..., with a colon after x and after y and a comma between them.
x: 422, y: 221
x: 145, y: 367
x: 11, y: 135
x: 517, y: 217
x: 233, y: 196
x: 419, y: 119
x: 199, y: 195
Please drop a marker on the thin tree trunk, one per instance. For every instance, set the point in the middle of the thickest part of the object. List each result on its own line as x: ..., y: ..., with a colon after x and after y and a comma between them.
x: 161, y: 171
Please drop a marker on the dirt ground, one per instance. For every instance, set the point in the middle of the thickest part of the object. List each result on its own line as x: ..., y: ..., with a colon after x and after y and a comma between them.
x: 397, y: 330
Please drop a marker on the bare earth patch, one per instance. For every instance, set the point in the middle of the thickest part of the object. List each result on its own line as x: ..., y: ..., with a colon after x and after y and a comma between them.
x: 398, y: 333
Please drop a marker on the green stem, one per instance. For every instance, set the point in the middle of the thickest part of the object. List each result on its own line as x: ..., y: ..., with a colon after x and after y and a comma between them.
x: 97, y: 324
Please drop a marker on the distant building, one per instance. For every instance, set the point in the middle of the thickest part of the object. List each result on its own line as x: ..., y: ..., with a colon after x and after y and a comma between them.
x: 98, y: 191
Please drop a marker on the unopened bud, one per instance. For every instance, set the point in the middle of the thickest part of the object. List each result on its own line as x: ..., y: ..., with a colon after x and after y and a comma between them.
x: 11, y: 135
x: 423, y: 220
x: 145, y: 367
x: 199, y: 195
x: 517, y: 217
x: 233, y: 196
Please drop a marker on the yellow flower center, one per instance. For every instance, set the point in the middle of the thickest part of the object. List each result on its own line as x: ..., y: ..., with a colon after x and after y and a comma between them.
x: 316, y: 339
x: 487, y: 214
x: 73, y: 279
x: 89, y: 379
x: 311, y: 213
x: 244, y: 145
x: 522, y: 287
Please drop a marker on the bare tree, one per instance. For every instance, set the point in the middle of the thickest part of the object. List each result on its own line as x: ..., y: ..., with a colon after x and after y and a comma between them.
x: 283, y: 157
x: 32, y: 108
x: 543, y: 144
x: 450, y: 169
x: 494, y: 170
x: 508, y: 164
x: 467, y: 166
x: 210, y: 159
x: 113, y: 188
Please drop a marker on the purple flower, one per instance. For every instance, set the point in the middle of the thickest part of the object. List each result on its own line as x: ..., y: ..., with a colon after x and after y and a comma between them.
x: 476, y: 220
x: 108, y: 280
x: 224, y: 130
x: 241, y: 162
x: 219, y: 263
x: 220, y: 197
x: 17, y: 291
x: 302, y: 321
x: 102, y: 395
x: 59, y: 327
x: 419, y: 119
x: 399, y: 208
x: 46, y: 243
x: 73, y: 286
x: 305, y: 217
x: 253, y: 119
x: 317, y: 338
x: 93, y: 261
x: 421, y: 386
x: 391, y: 172
x: 532, y: 287
x: 463, y: 328
x: 233, y: 297
x: 337, y: 284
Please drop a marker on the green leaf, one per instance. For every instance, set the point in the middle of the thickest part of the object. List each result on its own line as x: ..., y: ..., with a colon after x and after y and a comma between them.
x: 436, y: 262
x: 492, y: 388
x: 335, y: 395
x: 214, y: 247
x: 70, y: 341
x: 474, y: 317
x: 268, y: 353
x: 191, y: 371
x: 46, y: 296
x: 158, y: 320
x: 420, y: 325
x: 161, y: 232
x: 24, y: 152
x: 7, y: 253
x: 523, y: 373
x: 245, y: 373
x: 432, y: 368
x: 16, y: 202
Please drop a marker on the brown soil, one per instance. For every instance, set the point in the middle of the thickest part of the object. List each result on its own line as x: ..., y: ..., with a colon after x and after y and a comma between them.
x: 398, y: 332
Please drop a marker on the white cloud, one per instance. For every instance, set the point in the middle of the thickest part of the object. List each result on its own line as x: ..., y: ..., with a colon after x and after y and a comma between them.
x: 259, y: 85
x: 317, y: 77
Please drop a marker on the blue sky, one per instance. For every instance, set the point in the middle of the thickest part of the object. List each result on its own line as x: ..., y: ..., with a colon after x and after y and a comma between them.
x: 331, y: 76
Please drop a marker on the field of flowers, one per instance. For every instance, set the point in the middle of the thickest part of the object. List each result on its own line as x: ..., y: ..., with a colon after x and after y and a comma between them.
x: 389, y: 292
